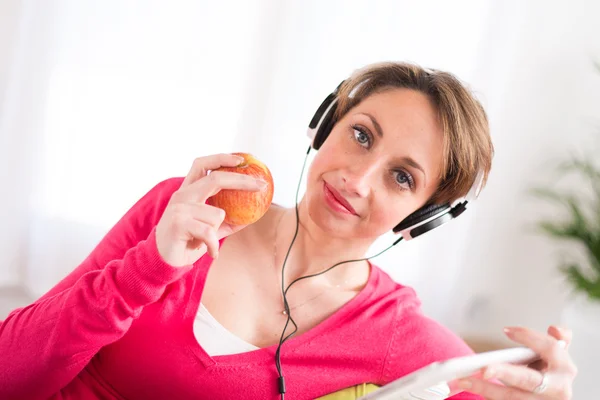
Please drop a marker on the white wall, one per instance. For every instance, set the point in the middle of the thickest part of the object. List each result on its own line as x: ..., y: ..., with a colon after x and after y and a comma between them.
x: 25, y: 54
x: 91, y: 120
x: 544, y: 102
x: 10, y: 15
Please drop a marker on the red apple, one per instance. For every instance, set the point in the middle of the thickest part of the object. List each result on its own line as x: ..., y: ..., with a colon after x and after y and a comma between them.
x: 243, y: 207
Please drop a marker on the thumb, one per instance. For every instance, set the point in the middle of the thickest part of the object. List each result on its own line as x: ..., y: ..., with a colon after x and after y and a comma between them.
x: 561, y: 333
x: 227, y: 229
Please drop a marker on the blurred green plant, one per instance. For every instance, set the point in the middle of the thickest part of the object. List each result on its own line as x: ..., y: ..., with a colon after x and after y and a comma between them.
x: 581, y: 225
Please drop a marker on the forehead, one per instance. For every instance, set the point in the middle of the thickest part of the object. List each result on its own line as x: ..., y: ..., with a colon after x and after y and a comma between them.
x: 402, y: 109
x: 404, y: 114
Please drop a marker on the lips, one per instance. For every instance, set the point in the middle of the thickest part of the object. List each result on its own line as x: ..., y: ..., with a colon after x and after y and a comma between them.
x: 340, y: 199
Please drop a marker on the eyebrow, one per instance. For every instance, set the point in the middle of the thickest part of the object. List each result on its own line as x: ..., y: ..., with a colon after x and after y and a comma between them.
x: 414, y: 164
x: 375, y: 123
x: 409, y: 161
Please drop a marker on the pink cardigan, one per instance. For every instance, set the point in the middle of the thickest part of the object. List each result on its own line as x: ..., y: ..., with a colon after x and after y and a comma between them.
x: 120, y: 326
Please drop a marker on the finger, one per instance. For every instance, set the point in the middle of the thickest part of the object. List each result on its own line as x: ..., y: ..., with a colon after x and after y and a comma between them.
x: 199, y: 245
x: 208, y: 214
x: 227, y: 229
x: 547, y: 347
x: 202, y: 165
x: 202, y: 189
x: 206, y: 234
x: 561, y: 333
x: 564, y: 336
x: 211, y: 215
x: 528, y: 380
x: 219, y: 180
x: 492, y: 391
x: 518, y: 376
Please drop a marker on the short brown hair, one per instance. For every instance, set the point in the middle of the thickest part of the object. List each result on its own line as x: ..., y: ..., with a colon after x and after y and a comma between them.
x: 467, y: 144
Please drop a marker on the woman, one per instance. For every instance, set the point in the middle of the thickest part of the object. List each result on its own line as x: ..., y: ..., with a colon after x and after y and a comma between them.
x: 174, y: 303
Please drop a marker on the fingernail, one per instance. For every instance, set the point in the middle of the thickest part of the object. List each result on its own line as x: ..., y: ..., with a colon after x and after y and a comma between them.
x: 240, y: 159
x: 261, y: 183
x: 511, y: 330
x: 562, y: 344
x: 489, y: 373
x: 464, y: 384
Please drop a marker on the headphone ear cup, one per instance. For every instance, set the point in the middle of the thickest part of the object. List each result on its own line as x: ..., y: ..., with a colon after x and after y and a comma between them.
x: 325, y: 127
x: 422, y: 214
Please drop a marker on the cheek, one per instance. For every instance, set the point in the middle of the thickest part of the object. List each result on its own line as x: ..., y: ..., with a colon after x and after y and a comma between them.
x: 388, y: 213
x: 314, y: 171
x: 323, y: 161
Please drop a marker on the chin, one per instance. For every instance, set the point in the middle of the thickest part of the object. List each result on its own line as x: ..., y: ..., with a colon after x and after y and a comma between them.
x: 320, y: 216
x: 327, y: 221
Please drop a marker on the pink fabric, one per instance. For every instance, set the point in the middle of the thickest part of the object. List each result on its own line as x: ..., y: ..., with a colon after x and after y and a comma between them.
x: 120, y: 326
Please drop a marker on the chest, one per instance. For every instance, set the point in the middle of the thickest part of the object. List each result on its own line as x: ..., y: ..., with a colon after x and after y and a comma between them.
x: 245, y: 296
x: 160, y: 358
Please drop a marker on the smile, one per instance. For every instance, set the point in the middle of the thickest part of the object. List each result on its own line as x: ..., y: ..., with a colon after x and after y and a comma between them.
x: 336, y: 201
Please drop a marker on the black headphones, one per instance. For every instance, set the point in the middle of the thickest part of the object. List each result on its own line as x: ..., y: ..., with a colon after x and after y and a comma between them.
x: 419, y: 222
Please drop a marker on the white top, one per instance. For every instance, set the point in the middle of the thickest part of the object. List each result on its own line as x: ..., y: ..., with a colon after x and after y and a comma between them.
x: 214, y: 338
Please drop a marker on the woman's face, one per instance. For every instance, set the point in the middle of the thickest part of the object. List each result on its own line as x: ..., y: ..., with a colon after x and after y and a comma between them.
x: 380, y: 163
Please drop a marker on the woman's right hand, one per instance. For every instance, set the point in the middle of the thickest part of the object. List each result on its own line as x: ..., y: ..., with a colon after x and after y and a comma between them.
x: 188, y: 226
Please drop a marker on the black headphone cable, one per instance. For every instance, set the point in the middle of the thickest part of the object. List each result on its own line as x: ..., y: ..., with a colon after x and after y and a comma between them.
x: 284, y: 290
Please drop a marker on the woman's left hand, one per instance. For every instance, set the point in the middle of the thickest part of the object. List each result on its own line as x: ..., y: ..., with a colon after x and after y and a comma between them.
x: 550, y: 378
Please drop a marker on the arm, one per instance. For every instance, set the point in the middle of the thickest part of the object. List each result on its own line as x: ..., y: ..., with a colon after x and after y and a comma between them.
x: 46, y: 344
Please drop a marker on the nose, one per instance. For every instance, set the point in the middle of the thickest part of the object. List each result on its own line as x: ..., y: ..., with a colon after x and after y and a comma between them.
x: 360, y: 178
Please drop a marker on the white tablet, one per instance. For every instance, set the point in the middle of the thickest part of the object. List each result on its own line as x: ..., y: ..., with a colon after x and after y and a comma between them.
x: 434, y: 381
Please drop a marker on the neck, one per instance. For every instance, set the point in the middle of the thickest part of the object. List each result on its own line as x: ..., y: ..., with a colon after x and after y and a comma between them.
x: 315, y: 250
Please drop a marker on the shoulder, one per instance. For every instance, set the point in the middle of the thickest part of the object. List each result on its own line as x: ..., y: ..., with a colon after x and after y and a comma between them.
x: 397, y: 299
x: 430, y: 339
x: 416, y: 339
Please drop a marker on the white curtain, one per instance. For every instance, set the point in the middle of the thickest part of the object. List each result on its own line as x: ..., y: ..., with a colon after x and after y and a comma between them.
x: 104, y: 99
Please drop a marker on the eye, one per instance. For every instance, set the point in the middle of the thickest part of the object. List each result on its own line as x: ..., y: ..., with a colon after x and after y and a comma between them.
x: 361, y: 136
x: 404, y: 179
